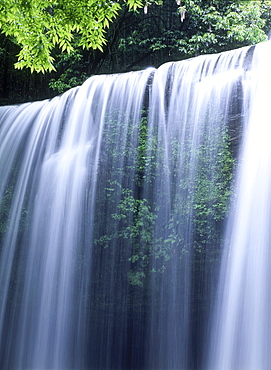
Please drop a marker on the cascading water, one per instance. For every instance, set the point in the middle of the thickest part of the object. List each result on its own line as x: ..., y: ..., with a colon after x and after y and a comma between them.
x: 114, y: 197
x: 242, y: 322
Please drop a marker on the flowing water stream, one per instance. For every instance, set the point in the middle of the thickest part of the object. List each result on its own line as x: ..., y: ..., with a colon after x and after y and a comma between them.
x: 242, y: 326
x: 134, y: 221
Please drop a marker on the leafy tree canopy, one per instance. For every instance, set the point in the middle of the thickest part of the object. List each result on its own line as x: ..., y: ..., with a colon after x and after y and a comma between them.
x: 217, y: 25
x: 72, y: 39
x: 196, y: 27
x: 38, y: 26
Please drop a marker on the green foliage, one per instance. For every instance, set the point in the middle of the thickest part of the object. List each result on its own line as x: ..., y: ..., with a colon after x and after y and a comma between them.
x: 212, y: 190
x: 134, y: 40
x: 133, y: 222
x: 218, y: 26
x: 132, y: 216
x: 6, y: 204
x: 202, y: 27
x: 38, y: 26
x: 4, y: 209
x: 71, y: 65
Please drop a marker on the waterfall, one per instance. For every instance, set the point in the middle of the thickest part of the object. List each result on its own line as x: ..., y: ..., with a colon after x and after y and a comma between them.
x: 134, y: 220
x: 242, y: 322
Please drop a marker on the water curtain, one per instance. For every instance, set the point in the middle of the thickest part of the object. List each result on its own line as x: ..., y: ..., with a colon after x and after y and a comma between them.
x: 134, y: 220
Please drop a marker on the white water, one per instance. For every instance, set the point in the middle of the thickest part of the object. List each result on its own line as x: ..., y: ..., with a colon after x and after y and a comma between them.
x: 200, y: 98
x: 57, y: 179
x: 242, y: 328
x: 110, y: 247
